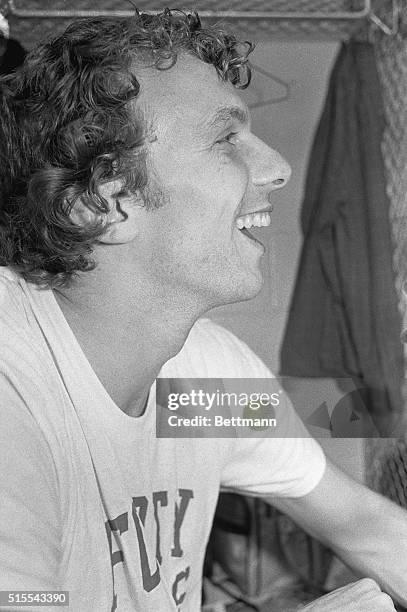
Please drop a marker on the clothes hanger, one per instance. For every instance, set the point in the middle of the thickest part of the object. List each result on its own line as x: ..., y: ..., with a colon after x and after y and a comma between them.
x: 275, y: 79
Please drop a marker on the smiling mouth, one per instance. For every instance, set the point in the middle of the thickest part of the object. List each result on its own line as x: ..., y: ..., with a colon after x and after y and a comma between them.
x: 257, y: 219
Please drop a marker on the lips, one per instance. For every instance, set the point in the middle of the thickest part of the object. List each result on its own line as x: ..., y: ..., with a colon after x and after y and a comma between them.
x: 249, y: 236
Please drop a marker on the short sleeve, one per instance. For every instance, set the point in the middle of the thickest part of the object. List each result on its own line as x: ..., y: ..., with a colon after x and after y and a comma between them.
x: 290, y: 466
x: 279, y: 467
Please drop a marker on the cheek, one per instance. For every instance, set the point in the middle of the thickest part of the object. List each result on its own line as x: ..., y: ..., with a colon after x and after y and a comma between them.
x: 233, y: 169
x: 201, y: 194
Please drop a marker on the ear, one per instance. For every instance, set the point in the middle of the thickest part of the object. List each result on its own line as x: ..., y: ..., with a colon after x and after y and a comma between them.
x: 121, y: 220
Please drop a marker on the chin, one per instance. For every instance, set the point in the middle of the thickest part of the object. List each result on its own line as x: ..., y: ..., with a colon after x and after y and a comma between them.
x: 251, y: 293
x: 245, y: 289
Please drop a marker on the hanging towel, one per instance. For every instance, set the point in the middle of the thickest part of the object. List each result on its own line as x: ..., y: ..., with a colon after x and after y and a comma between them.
x: 343, y: 319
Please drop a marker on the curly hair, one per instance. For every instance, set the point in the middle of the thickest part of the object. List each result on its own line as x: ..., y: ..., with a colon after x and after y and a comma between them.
x: 66, y: 129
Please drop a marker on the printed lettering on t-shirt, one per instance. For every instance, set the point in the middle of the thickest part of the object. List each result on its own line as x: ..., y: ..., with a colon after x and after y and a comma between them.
x: 141, y: 506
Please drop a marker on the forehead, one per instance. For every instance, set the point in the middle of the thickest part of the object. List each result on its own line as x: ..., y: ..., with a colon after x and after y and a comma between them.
x: 190, y: 94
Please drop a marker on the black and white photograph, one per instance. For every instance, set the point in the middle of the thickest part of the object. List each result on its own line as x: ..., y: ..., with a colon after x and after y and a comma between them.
x: 203, y: 306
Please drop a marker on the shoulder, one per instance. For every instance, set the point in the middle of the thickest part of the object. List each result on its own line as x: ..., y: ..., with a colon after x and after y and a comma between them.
x: 213, y: 351
x: 22, y: 380
x: 16, y: 318
x: 23, y: 364
x: 17, y: 337
x: 11, y: 296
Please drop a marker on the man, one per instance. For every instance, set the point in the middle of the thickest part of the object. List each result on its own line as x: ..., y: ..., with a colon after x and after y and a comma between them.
x: 129, y: 175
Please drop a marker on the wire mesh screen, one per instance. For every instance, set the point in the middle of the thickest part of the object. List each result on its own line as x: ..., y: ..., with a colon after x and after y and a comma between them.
x: 393, y: 473
x: 31, y: 30
x: 387, y: 459
x: 308, y: 6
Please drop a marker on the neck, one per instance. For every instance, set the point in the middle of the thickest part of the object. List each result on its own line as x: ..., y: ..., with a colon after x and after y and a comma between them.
x: 127, y: 331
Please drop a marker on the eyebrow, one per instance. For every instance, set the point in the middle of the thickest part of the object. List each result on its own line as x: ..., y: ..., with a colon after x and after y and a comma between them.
x: 225, y: 114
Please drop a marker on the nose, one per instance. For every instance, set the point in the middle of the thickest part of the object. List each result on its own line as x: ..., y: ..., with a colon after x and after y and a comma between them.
x: 268, y: 167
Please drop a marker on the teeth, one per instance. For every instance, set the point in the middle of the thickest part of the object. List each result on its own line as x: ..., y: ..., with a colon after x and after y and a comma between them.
x: 254, y: 220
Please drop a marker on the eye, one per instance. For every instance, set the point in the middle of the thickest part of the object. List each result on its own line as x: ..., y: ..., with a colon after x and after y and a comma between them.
x: 228, y: 138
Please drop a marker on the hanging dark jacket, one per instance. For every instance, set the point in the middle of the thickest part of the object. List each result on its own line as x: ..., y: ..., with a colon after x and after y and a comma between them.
x: 343, y: 319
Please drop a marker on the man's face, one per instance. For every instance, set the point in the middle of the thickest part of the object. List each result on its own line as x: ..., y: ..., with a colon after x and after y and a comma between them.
x: 210, y: 171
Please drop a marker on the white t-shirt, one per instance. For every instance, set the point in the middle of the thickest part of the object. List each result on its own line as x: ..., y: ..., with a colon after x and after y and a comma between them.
x: 92, y: 502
